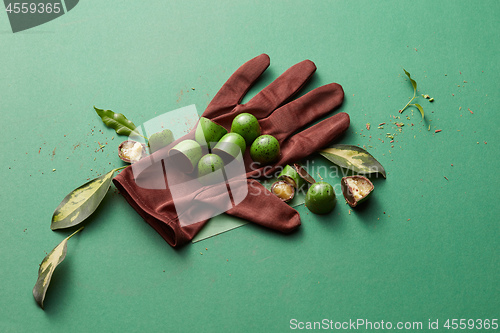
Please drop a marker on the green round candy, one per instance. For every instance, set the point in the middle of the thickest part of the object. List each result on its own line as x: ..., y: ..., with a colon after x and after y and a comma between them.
x: 160, y: 139
x: 320, y: 198
x: 208, y: 132
x: 207, y: 167
x: 246, y: 125
x: 231, y: 144
x: 265, y: 149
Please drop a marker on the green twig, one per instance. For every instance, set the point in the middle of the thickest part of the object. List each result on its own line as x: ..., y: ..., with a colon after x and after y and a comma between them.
x: 75, y: 232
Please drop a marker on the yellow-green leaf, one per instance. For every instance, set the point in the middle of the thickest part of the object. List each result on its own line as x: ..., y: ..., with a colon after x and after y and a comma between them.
x: 118, y: 122
x: 353, y: 158
x: 47, y: 267
x: 81, y: 202
x: 420, y: 108
x: 413, y: 83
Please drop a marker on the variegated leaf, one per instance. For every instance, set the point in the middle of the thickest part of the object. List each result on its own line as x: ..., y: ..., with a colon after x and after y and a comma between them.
x: 47, y: 267
x: 353, y: 158
x: 81, y: 202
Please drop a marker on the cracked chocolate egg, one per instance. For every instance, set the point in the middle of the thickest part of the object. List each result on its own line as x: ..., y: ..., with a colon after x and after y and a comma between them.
x: 356, y: 189
x: 291, y: 176
x: 246, y: 125
x: 265, y: 149
x: 320, y: 198
x: 283, y: 190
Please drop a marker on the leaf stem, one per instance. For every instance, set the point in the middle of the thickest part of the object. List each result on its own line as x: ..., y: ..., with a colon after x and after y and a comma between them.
x: 75, y: 232
x: 120, y: 168
x: 135, y: 133
x: 407, y: 104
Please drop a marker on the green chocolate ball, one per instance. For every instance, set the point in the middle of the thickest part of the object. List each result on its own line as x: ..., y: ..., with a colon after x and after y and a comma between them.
x: 230, y: 145
x: 246, y: 125
x: 160, y: 139
x: 265, y: 149
x: 207, y: 167
x: 320, y: 198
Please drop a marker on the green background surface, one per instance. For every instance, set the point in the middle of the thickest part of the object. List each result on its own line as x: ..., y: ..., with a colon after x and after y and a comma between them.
x: 423, y: 247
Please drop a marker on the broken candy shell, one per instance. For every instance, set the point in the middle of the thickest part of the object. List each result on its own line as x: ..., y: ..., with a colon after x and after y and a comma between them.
x: 303, y: 173
x: 291, y: 176
x: 128, y: 144
x: 356, y: 189
x: 185, y: 155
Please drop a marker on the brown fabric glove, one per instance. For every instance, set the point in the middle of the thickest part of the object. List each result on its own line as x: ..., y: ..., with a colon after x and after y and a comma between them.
x: 276, y: 117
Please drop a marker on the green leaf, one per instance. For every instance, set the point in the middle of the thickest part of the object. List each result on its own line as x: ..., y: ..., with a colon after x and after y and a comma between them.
x: 413, y: 83
x: 118, y: 122
x: 419, y: 107
x: 353, y: 158
x: 81, y: 202
x: 47, y: 267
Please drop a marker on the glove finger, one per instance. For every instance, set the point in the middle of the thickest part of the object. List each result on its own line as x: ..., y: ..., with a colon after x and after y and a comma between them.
x: 294, y: 115
x: 262, y: 207
x: 314, y: 138
x: 236, y: 86
x: 280, y: 90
